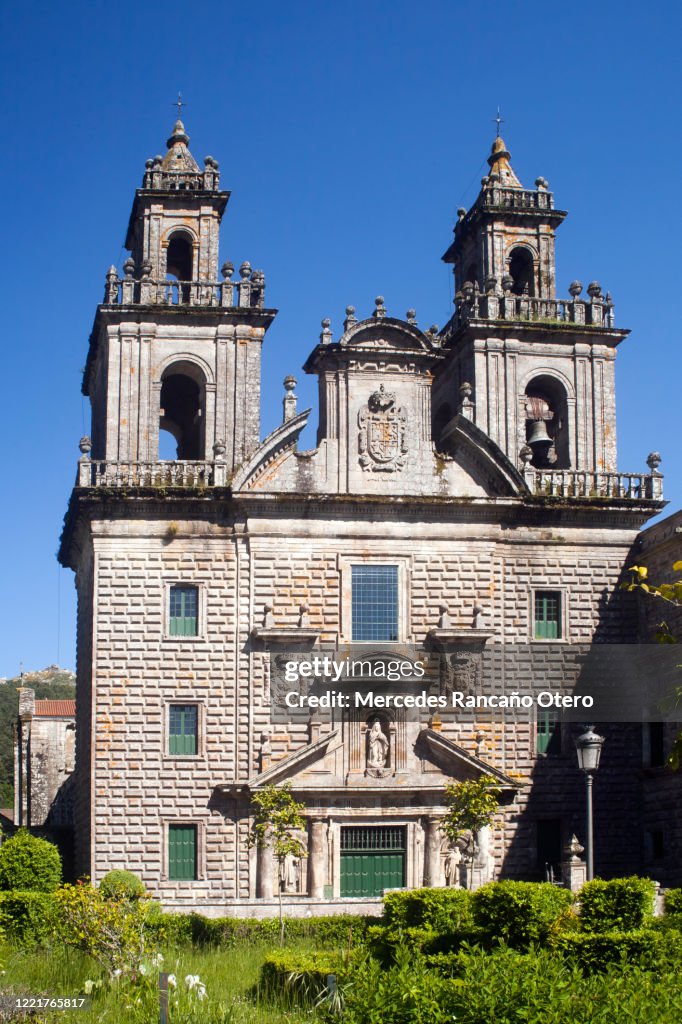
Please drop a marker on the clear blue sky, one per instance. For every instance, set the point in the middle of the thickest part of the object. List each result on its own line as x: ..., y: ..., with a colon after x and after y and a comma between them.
x: 349, y: 134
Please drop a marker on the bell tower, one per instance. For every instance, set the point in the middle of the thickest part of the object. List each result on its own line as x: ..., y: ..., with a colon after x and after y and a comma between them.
x: 534, y: 371
x: 173, y: 369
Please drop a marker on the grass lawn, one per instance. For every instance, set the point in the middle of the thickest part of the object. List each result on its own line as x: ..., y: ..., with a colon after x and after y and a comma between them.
x: 229, y: 976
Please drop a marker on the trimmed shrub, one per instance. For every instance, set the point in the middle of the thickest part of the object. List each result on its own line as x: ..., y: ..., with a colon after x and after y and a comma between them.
x: 519, y: 913
x: 595, y: 952
x: 27, y: 918
x: 443, y: 910
x: 120, y: 884
x: 299, y: 978
x: 673, y: 901
x: 618, y: 904
x: 29, y: 864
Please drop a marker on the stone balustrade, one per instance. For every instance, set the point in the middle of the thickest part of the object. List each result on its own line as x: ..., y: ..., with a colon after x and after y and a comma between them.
x: 246, y: 293
x: 98, y: 473
x: 554, y: 483
x: 569, y: 483
x: 472, y: 305
x: 496, y: 195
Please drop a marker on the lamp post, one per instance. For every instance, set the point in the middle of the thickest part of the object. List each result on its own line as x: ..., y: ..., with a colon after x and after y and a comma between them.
x: 589, y: 746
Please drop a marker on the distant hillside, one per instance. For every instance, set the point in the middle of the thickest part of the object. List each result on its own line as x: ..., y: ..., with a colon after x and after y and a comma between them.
x: 57, y: 683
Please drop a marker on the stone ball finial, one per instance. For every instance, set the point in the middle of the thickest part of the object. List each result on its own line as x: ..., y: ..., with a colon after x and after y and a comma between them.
x: 289, y: 382
x: 219, y: 448
x: 227, y: 270
x: 653, y: 461
x: 129, y: 267
x: 541, y: 183
x: 461, y: 213
x: 85, y: 445
x: 326, y: 323
x: 594, y: 289
x: 433, y: 330
x: 145, y: 268
x: 507, y: 282
x: 245, y: 270
x: 468, y: 289
x: 575, y: 288
x: 490, y: 284
x: 158, y: 160
x: 350, y: 310
x: 149, y: 164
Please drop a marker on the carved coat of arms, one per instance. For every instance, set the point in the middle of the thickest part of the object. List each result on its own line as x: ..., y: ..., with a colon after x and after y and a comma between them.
x: 382, y: 440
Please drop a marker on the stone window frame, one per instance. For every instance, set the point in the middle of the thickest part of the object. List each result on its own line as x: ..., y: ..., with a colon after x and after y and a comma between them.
x: 183, y: 581
x: 174, y: 819
x: 404, y: 564
x: 564, y: 619
x: 201, y: 729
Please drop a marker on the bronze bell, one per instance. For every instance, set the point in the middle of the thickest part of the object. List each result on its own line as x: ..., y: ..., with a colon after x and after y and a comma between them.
x: 537, y: 434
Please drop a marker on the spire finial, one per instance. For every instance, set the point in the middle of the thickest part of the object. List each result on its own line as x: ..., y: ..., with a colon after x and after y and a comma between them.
x: 180, y: 104
x: 498, y: 121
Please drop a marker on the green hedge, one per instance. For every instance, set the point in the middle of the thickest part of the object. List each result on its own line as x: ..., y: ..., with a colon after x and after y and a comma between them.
x: 519, y: 913
x: 620, y: 903
x: 298, y: 978
x: 27, y: 917
x: 505, y: 986
x: 595, y: 952
x: 341, y: 931
x: 673, y: 901
x: 443, y: 910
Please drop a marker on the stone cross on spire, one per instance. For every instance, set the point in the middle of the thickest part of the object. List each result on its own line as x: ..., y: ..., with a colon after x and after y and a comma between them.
x: 498, y: 121
x: 179, y: 104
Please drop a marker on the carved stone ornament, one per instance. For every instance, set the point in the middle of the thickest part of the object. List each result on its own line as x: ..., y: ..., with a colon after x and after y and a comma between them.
x: 382, y: 440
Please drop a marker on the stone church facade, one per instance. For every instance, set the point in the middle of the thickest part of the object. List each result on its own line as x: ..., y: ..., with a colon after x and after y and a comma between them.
x: 463, y: 495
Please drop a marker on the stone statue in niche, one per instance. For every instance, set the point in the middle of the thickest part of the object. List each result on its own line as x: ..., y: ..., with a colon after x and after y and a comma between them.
x: 451, y: 866
x: 290, y: 873
x: 378, y: 748
x: 382, y: 438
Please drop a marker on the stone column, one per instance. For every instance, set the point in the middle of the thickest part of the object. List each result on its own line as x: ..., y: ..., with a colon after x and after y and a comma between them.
x: 264, y: 877
x: 317, y: 858
x: 432, y: 865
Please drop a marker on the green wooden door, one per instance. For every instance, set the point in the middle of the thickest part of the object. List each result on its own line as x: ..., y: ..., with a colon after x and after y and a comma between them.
x: 372, y: 859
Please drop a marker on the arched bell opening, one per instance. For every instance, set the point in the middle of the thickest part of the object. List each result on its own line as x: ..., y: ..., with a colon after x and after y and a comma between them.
x: 546, y: 413
x: 522, y: 272
x: 180, y: 261
x: 182, y: 413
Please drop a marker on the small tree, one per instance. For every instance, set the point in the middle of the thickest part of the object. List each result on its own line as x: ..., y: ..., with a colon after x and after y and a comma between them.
x: 276, y: 820
x: 470, y: 807
x: 111, y: 929
x: 29, y: 863
x: 671, y: 593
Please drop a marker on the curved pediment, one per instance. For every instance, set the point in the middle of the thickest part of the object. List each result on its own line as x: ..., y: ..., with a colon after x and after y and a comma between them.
x: 388, y: 334
x: 378, y: 339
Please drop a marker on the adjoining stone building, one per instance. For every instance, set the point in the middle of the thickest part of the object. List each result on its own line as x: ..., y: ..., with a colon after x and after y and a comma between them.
x: 463, y: 495
x: 44, y: 759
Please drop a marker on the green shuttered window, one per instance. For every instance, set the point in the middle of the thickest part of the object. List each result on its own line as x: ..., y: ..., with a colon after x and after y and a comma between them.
x: 547, y: 615
x: 183, y: 617
x: 182, y: 729
x: 548, y: 734
x: 182, y: 852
